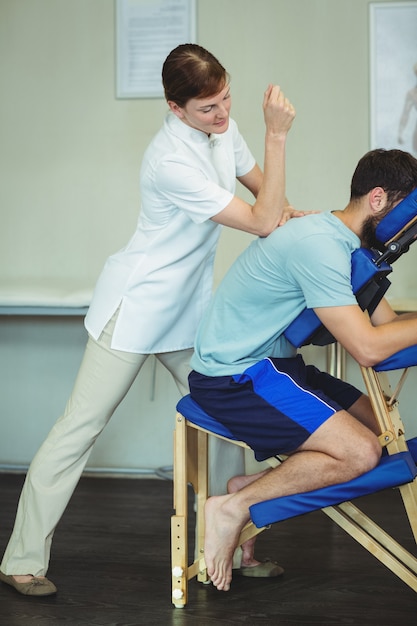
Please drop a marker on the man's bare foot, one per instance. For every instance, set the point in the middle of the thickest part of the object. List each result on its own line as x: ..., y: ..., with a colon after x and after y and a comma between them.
x: 248, y: 548
x: 248, y: 554
x: 223, y: 523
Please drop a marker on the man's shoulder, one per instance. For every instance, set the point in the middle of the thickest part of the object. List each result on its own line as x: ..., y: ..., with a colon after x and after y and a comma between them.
x: 317, y: 226
x: 313, y: 226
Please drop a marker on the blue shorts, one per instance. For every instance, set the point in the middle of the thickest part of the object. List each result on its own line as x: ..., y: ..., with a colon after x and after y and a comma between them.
x: 275, y: 405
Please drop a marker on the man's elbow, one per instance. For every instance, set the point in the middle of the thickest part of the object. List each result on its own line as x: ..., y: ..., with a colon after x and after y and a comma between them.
x: 367, y: 356
x: 366, y: 361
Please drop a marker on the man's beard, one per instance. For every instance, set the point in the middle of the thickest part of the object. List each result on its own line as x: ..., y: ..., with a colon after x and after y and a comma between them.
x: 368, y: 236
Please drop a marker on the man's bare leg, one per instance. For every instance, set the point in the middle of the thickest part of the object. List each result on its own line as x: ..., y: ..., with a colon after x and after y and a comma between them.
x: 361, y: 410
x: 341, y: 449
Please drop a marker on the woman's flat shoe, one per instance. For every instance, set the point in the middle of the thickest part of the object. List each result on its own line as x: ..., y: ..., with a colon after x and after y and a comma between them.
x: 35, y: 587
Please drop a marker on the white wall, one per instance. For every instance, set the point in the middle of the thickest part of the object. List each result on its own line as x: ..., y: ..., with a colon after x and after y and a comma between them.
x: 70, y: 154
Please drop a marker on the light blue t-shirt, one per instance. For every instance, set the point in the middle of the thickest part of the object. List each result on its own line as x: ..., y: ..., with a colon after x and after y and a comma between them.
x: 306, y: 263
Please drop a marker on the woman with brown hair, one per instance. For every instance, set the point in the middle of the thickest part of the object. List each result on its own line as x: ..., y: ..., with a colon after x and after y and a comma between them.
x: 151, y: 294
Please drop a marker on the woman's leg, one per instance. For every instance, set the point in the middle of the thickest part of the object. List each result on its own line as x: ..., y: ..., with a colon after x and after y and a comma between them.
x: 103, y: 380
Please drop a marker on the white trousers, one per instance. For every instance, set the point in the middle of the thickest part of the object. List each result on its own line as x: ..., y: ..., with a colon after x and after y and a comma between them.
x: 103, y: 380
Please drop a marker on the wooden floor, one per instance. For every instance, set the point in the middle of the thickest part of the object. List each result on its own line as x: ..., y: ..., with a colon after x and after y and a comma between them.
x: 111, y: 564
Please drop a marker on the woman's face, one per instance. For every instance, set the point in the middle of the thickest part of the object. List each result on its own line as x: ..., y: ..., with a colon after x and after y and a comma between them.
x: 210, y: 115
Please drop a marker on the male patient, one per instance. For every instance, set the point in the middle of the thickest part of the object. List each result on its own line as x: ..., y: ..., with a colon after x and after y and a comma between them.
x: 248, y: 376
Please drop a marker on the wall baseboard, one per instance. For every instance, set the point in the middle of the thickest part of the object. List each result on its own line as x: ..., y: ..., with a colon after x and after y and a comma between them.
x: 101, y: 472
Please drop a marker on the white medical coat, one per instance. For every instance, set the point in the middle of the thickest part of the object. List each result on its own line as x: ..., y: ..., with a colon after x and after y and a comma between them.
x: 162, y: 279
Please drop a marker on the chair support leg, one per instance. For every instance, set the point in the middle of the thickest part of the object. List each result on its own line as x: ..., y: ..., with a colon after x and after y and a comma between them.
x: 374, y: 539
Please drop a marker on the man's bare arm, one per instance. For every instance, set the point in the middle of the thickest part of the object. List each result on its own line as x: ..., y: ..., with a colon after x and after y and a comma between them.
x: 370, y: 341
